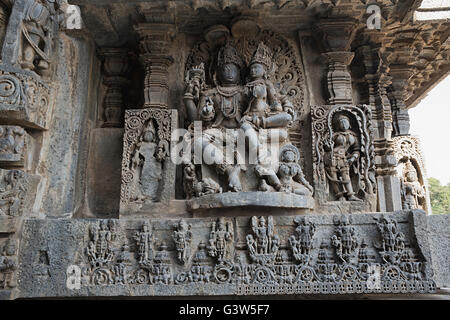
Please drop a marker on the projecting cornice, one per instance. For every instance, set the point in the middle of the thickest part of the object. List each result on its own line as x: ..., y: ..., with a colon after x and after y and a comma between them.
x: 422, y: 45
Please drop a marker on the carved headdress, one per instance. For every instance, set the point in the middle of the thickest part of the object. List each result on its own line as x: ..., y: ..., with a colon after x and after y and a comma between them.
x: 228, y: 54
x: 263, y: 55
x: 293, y: 149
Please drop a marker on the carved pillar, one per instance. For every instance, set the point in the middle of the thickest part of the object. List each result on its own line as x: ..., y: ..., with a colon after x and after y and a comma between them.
x: 336, y: 36
x: 155, y: 40
x: 115, y: 68
x: 148, y: 130
x: 389, y: 193
x: 400, y: 93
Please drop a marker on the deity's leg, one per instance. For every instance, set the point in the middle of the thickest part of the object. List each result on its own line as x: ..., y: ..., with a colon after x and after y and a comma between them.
x: 334, y: 182
x: 252, y: 137
x: 347, y: 184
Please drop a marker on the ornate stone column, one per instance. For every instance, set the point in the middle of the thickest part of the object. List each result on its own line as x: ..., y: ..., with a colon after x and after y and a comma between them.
x: 336, y: 36
x: 371, y: 56
x: 148, y: 130
x: 155, y: 39
x: 115, y: 68
x: 400, y: 81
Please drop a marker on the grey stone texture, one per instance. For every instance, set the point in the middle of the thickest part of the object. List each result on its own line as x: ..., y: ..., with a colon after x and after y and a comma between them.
x: 74, y: 258
x: 92, y: 206
x: 439, y: 239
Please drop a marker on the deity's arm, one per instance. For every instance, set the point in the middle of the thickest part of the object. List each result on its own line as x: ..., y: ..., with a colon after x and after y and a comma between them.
x: 300, y: 178
x: 279, y: 120
x: 354, y: 149
x: 272, y: 96
x: 420, y: 190
x: 191, y: 109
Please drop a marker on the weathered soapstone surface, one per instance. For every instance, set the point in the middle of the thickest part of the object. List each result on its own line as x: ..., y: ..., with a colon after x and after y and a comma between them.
x: 64, y: 162
x: 104, y: 171
x: 18, y: 191
x: 17, y: 147
x: 315, y: 254
x: 26, y: 100
x: 439, y: 234
x: 71, y: 97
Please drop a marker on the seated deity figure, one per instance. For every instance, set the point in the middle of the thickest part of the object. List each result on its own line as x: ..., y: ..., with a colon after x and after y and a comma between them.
x: 413, y: 191
x: 264, y: 110
x: 219, y: 109
x: 342, y: 152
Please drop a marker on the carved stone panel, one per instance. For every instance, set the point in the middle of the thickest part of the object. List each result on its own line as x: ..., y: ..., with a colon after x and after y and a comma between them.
x: 31, y: 36
x: 245, y: 87
x: 8, y: 264
x: 24, y: 99
x: 16, y: 147
x: 17, y: 192
x: 370, y: 253
x: 343, y: 157
x: 148, y: 174
x: 412, y: 173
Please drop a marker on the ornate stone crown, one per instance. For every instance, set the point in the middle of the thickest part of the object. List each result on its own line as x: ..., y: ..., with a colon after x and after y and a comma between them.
x: 228, y: 54
x: 263, y: 55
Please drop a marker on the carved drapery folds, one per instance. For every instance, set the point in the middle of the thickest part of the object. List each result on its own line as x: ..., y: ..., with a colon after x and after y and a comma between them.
x: 115, y: 68
x: 343, y: 154
x: 412, y: 173
x: 374, y: 254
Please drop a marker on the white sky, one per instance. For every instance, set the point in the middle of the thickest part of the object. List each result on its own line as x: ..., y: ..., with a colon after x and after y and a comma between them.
x: 430, y: 121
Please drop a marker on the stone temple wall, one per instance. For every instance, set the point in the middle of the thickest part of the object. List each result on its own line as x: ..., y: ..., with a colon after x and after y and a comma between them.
x: 99, y: 199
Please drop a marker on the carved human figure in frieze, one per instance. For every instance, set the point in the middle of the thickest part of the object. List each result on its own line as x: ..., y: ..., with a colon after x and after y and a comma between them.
x: 345, y: 240
x: 220, y: 108
x: 145, y: 162
x: 263, y: 246
x: 392, y: 240
x: 220, y: 240
x: 394, y: 250
x: 12, y: 192
x: 99, y: 250
x: 144, y: 240
x: 302, y: 243
x: 38, y: 23
x: 413, y: 192
x: 182, y: 236
x: 342, y: 154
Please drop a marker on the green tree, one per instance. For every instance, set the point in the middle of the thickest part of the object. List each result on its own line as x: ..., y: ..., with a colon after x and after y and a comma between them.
x: 439, y: 196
